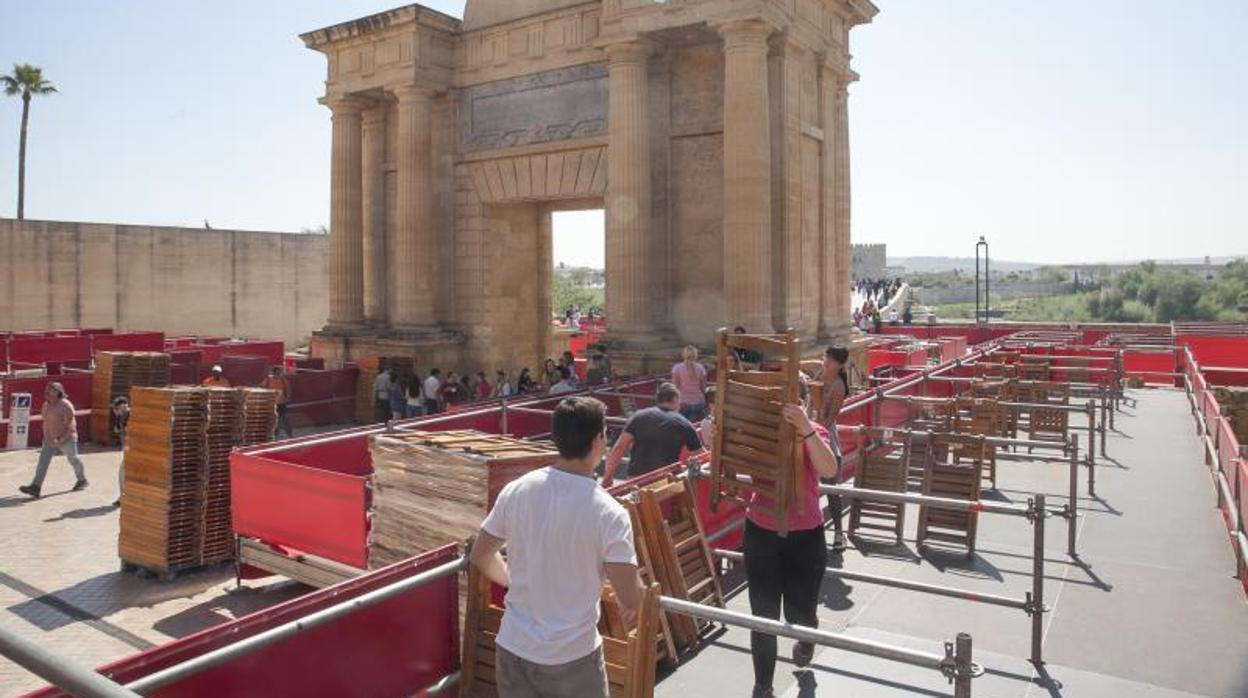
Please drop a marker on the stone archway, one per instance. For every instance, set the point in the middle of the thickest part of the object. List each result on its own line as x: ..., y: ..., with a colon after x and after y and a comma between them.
x: 713, y: 131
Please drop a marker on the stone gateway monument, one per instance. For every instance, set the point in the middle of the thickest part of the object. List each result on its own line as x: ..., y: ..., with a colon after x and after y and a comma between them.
x: 714, y: 133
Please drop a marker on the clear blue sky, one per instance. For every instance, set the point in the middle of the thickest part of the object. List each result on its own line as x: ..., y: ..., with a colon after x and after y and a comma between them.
x: 1065, y: 131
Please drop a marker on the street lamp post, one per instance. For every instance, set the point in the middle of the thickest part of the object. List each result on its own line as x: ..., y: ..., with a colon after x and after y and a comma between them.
x: 986, y: 304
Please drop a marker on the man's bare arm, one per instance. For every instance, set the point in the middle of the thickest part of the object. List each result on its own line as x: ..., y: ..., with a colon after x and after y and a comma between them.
x: 627, y: 585
x: 487, y: 558
x: 621, y: 447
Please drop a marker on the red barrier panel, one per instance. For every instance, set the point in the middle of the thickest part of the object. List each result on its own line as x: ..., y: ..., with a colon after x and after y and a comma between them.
x: 38, y: 350
x: 245, y: 371
x: 1150, y: 366
x: 130, y: 341
x: 352, y: 656
x: 1226, y: 376
x: 273, y: 352
x: 315, y: 510
x: 1218, y: 351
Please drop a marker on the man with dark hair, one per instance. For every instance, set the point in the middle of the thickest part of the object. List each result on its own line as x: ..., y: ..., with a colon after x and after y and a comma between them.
x: 564, y: 537
x: 656, y: 436
x: 60, y: 434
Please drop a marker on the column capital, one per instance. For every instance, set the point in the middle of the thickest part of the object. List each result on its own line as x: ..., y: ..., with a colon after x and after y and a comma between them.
x: 407, y: 94
x: 346, y: 104
x: 745, y: 33
x: 376, y: 116
x: 634, y: 50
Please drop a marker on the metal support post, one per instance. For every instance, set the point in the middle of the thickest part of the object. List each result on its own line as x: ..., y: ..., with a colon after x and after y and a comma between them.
x: 964, y: 668
x: 59, y: 671
x: 1037, y: 578
x: 1091, y: 410
x: 503, y: 426
x: 1073, y: 505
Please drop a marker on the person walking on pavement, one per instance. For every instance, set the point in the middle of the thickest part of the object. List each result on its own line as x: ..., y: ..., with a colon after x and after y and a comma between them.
x: 60, y: 435
x: 277, y: 382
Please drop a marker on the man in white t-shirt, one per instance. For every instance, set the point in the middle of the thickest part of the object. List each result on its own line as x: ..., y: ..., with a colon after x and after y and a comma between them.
x: 565, y: 536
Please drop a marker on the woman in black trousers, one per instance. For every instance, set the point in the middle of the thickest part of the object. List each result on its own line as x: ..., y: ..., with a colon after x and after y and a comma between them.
x: 786, y: 573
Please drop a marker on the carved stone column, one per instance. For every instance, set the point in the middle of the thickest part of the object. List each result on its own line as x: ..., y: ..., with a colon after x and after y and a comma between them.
x: 844, y: 253
x: 374, y: 222
x: 831, y: 315
x: 747, y: 175
x: 414, y: 249
x: 630, y: 270
x: 346, y: 273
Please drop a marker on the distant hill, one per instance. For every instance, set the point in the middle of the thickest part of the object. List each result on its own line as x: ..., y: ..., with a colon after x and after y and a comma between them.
x: 934, y: 265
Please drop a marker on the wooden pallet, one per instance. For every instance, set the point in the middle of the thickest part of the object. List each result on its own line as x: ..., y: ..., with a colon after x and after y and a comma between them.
x: 884, y: 469
x: 955, y: 473
x: 161, y: 520
x: 434, y: 488
x: 115, y: 373
x: 630, y: 659
x: 676, y: 546
x: 755, y: 451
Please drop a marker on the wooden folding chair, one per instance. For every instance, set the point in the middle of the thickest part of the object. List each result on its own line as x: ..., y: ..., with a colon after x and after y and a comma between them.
x: 666, y: 645
x: 887, y: 470
x: 955, y: 473
x: 630, y: 658
x: 983, y: 417
x: 755, y: 449
x: 676, y: 545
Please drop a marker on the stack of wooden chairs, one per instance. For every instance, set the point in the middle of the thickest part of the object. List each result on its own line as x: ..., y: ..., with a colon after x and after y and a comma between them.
x: 673, y: 550
x: 755, y: 451
x: 629, y: 656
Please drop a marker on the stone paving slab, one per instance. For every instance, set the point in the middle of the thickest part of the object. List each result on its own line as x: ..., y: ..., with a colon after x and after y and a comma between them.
x: 60, y: 578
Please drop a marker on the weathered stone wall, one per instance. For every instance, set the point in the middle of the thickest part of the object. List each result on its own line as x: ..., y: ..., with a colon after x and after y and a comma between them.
x: 965, y: 293
x: 870, y: 260
x: 176, y: 280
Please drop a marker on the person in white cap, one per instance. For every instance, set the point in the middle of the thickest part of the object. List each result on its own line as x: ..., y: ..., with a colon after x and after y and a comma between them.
x: 217, y: 379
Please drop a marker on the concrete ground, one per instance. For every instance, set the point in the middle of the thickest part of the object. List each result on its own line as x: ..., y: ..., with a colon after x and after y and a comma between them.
x: 1154, y: 611
x: 60, y: 578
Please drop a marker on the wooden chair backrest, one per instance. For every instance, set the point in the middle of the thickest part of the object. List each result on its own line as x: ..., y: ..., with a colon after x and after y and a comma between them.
x: 755, y: 449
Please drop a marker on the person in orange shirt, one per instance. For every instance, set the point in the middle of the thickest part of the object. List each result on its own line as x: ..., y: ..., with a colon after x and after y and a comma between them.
x: 217, y: 379
x: 276, y: 381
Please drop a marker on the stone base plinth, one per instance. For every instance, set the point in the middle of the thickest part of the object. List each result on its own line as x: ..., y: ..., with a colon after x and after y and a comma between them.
x: 429, y: 348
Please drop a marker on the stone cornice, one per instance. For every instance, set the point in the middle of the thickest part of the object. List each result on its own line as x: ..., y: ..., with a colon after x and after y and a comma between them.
x: 320, y: 39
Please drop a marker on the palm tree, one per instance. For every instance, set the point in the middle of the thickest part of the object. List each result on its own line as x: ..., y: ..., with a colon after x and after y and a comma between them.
x: 26, y: 80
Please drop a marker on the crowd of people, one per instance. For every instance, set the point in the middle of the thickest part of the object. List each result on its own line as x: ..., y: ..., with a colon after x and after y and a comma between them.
x: 870, y: 317
x: 877, y: 290
x: 403, y: 397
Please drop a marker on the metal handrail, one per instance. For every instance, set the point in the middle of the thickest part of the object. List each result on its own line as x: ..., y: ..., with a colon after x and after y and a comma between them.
x: 61, y: 672
x: 956, y: 664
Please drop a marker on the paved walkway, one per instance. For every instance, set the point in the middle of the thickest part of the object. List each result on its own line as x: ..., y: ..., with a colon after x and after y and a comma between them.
x: 1156, y: 613
x: 60, y: 581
